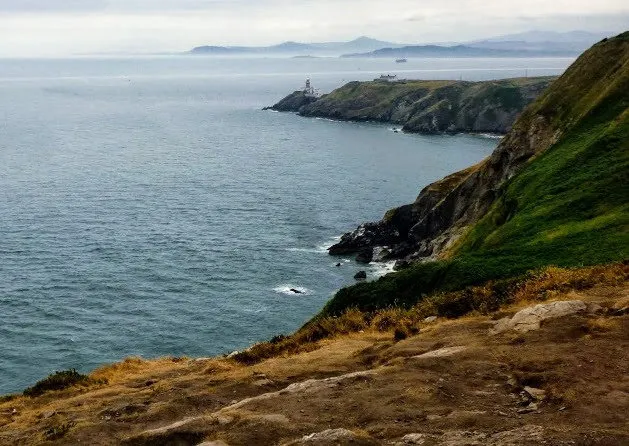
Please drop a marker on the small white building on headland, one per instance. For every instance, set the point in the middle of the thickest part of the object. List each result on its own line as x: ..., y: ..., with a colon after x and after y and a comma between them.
x: 310, y: 91
x: 387, y: 78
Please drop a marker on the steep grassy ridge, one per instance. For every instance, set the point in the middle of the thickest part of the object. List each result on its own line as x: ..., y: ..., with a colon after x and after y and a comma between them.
x: 566, y: 206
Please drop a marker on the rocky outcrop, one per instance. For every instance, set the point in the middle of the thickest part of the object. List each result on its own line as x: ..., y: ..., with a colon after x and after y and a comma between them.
x: 293, y: 102
x: 425, y: 106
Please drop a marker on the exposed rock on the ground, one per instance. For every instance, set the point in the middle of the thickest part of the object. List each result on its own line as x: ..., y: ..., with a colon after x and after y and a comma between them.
x: 535, y: 394
x: 531, y: 318
x: 528, y: 434
x: 442, y: 352
x: 335, y: 437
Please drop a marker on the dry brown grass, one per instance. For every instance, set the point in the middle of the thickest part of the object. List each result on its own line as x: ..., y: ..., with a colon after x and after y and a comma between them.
x: 536, y: 286
x: 120, y: 370
x: 553, y: 281
x: 601, y: 325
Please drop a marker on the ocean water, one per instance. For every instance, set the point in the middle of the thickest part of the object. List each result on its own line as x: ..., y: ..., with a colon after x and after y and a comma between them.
x: 149, y: 207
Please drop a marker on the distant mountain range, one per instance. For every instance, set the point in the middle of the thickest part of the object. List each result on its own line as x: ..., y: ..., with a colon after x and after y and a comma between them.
x: 527, y: 44
x: 361, y: 44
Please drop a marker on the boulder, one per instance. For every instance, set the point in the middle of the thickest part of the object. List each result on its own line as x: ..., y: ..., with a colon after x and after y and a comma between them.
x: 360, y: 275
x: 530, y: 318
x: 414, y: 439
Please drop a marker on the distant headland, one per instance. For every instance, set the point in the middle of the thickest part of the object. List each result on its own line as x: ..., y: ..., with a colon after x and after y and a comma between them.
x: 528, y: 44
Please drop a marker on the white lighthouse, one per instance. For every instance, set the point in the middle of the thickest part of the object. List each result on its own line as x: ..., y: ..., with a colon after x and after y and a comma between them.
x: 309, y: 91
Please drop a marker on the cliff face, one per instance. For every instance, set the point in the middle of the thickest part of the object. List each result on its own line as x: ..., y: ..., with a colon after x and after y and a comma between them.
x: 444, y: 210
x: 425, y: 106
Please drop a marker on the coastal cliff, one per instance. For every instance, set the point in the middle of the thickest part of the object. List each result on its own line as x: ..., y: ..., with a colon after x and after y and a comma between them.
x: 424, y: 106
x: 444, y: 209
x: 553, y: 192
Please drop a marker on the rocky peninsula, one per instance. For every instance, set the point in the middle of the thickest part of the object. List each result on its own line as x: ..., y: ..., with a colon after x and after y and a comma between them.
x: 424, y: 106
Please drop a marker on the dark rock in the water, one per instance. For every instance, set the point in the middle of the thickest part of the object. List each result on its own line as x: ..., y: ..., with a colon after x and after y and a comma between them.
x: 360, y: 275
x: 296, y: 291
x: 338, y: 265
x: 365, y: 255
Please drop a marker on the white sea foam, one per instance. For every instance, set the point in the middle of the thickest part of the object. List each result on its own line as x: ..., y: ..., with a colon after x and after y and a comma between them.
x: 303, y: 250
x: 321, y: 248
x: 287, y: 289
x: 490, y: 136
x: 379, y: 269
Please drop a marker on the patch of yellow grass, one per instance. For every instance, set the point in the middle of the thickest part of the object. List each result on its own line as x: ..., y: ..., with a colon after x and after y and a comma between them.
x: 552, y: 281
x: 121, y: 371
x: 602, y: 325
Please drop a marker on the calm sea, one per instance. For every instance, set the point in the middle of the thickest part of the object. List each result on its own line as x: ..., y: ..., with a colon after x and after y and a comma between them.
x: 149, y: 207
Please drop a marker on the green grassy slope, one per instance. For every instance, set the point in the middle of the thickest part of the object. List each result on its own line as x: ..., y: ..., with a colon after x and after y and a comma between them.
x: 568, y: 207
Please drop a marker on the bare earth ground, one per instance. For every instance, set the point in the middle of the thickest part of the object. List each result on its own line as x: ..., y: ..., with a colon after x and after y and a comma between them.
x: 366, y: 389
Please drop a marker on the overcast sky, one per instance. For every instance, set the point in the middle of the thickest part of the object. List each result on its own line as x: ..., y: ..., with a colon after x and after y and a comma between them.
x: 63, y: 27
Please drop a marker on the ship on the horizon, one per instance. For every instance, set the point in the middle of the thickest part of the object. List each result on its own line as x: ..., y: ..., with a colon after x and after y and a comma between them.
x: 401, y: 60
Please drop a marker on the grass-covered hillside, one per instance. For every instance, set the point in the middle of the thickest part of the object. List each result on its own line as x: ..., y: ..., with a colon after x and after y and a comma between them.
x: 425, y: 106
x: 567, y: 206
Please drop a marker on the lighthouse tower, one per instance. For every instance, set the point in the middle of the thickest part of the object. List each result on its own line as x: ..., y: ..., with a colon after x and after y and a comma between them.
x: 309, y: 91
